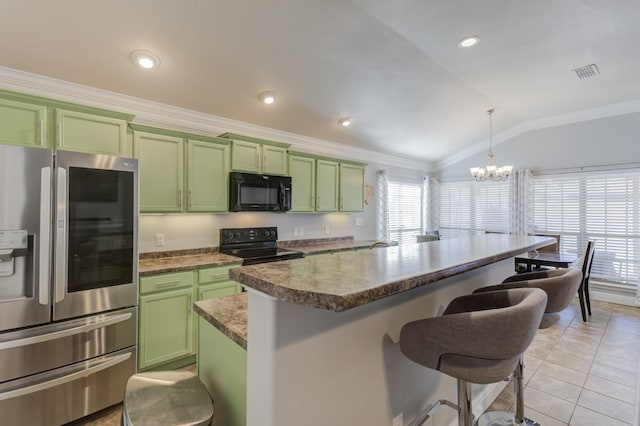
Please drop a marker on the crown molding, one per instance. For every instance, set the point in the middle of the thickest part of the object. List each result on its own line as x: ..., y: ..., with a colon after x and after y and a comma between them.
x: 150, y: 113
x: 612, y: 110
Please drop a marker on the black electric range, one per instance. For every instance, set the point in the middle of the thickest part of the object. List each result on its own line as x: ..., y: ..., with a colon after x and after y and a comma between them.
x: 255, y: 245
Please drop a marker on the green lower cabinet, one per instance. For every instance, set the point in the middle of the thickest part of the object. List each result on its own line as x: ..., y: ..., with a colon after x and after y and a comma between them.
x: 166, y: 327
x: 211, y: 291
x: 22, y: 123
x: 222, y: 368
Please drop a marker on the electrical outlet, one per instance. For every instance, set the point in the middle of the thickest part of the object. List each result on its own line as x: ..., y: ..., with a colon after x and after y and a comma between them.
x: 358, y: 221
x: 327, y: 229
x: 398, y: 421
x: 302, y: 231
x: 159, y: 240
x: 296, y: 231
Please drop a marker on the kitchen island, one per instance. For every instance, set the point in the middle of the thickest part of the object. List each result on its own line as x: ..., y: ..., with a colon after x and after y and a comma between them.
x: 322, y: 344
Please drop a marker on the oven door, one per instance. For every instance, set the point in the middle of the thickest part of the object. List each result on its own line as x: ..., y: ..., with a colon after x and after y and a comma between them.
x: 95, y: 234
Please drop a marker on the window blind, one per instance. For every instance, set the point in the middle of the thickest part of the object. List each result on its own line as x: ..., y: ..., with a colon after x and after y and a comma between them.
x: 602, y: 206
x: 407, y: 210
x: 467, y: 208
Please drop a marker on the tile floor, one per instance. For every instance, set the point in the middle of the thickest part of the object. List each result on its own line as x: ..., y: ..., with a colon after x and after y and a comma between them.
x: 579, y: 374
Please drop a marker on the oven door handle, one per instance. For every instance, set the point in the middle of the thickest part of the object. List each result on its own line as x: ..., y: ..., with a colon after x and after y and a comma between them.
x: 75, y: 329
x: 110, y: 362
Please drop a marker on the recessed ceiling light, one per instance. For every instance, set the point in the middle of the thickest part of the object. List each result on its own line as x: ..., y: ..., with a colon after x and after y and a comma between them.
x: 145, y: 59
x: 268, y: 97
x: 345, y: 121
x: 469, y: 41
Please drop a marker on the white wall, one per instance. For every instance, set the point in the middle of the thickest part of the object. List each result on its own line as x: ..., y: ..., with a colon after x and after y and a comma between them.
x: 600, y: 142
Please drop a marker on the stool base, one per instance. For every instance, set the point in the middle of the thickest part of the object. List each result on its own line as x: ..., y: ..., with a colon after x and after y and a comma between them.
x: 502, y: 418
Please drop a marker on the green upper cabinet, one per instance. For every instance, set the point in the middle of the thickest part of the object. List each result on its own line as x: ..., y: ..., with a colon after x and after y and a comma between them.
x: 245, y: 156
x: 327, y: 173
x: 351, y: 187
x: 23, y: 123
x: 254, y: 155
x: 207, y: 176
x: 160, y: 165
x: 274, y: 160
x: 78, y: 131
x: 303, y: 183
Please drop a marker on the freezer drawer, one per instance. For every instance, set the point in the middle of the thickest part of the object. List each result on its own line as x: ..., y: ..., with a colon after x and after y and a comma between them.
x: 65, y: 394
x: 38, y: 349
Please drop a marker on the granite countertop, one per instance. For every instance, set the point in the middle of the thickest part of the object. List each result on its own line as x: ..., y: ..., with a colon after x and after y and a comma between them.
x: 349, y: 279
x: 325, y: 245
x: 228, y: 314
x: 159, y: 265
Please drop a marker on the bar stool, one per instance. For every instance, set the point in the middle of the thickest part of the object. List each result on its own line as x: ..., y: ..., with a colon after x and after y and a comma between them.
x: 478, y: 339
x: 560, y: 285
x: 157, y: 398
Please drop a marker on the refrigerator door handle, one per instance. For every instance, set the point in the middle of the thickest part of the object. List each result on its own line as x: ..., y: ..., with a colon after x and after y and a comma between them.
x: 44, y: 259
x: 108, y: 363
x: 61, y: 233
x: 71, y: 331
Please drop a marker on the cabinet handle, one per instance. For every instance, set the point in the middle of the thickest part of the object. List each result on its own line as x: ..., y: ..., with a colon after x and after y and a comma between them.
x: 41, y: 132
x: 317, y: 201
x: 257, y: 161
x: 201, y: 295
x: 190, y: 199
x: 190, y: 303
x: 166, y: 283
x: 341, y: 203
x: 264, y: 162
x: 180, y: 197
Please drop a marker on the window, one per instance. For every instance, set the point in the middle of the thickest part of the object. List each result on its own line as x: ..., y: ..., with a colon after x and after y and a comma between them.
x: 407, y: 210
x: 467, y: 208
x: 602, y: 206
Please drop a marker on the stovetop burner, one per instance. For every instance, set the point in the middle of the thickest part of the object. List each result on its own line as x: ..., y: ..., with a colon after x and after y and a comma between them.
x: 255, y: 245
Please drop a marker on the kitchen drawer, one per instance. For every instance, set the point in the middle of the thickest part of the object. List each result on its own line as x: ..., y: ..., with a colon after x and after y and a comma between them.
x: 166, y: 281
x: 214, y: 274
x: 213, y: 291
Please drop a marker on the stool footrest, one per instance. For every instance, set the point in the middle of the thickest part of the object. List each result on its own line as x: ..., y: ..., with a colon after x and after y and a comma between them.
x: 432, y: 408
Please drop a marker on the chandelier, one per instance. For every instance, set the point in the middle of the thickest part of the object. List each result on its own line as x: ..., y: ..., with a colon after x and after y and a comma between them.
x: 491, y: 172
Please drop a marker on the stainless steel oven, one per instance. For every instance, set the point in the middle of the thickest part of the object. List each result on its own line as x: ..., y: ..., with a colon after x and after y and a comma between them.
x: 68, y: 282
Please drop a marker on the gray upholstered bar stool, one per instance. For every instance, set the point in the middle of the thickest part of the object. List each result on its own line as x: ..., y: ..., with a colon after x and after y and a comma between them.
x: 478, y: 339
x: 560, y: 285
x: 169, y: 398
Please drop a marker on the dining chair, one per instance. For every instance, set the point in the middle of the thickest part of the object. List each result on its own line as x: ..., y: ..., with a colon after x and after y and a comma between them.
x: 586, y: 273
x: 553, y: 248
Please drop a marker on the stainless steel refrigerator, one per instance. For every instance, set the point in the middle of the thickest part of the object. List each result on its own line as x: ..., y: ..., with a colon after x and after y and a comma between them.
x: 68, y: 283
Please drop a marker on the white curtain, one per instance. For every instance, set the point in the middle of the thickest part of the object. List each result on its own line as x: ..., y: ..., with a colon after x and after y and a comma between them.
x: 433, y: 213
x: 382, y: 206
x: 521, y: 195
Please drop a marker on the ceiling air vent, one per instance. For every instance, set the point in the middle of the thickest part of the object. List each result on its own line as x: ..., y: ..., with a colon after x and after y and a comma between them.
x: 587, y: 71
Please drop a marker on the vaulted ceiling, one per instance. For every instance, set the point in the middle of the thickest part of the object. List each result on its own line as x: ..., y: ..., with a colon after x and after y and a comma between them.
x: 395, y: 66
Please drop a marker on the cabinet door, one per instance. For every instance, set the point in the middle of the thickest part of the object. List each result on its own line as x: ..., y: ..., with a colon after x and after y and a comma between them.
x: 208, y: 176
x: 78, y: 131
x: 326, y: 186
x: 245, y: 157
x: 160, y: 169
x: 351, y: 188
x: 222, y: 289
x: 303, y: 183
x: 274, y: 160
x: 22, y: 123
x: 166, y: 327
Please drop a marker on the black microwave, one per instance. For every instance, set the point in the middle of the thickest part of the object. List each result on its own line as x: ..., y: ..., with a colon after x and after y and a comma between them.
x: 263, y: 193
